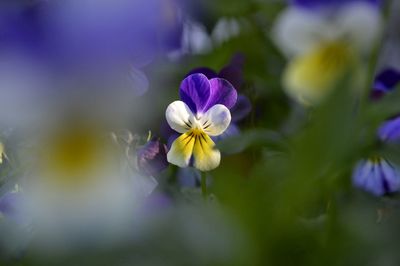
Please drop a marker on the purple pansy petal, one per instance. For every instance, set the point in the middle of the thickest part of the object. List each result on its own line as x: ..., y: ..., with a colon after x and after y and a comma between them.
x: 377, y: 176
x: 387, y: 80
x: 195, y: 91
x: 152, y: 157
x: 329, y: 3
x: 241, y: 109
x: 208, y: 72
x: 222, y: 92
x: 390, y: 130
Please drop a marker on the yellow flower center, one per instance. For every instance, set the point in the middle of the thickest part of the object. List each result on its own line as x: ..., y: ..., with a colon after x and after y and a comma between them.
x: 73, y: 156
x: 310, y: 77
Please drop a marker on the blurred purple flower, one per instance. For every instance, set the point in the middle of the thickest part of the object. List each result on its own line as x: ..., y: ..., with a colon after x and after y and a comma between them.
x: 389, y: 131
x: 152, y: 157
x: 11, y: 206
x: 377, y: 176
x: 385, y: 82
x: 324, y: 3
x: 20, y: 27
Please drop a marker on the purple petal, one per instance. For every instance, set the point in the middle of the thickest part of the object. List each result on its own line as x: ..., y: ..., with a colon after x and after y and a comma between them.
x: 234, y: 71
x: 232, y: 130
x: 390, y: 130
x: 377, y: 176
x: 222, y: 92
x: 208, y: 72
x: 152, y: 157
x: 11, y: 206
x: 195, y: 91
x: 328, y: 3
x: 188, y: 177
x: 241, y: 109
x: 387, y: 80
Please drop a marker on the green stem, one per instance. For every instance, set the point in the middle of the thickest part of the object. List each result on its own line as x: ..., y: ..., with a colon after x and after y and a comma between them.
x: 204, y: 184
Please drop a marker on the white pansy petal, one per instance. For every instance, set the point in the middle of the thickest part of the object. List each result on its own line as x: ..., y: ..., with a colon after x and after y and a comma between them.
x: 361, y: 24
x: 179, y: 116
x: 216, y: 120
x: 297, y: 31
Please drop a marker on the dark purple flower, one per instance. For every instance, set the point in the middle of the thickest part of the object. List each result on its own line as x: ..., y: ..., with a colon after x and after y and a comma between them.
x: 152, y: 157
x: 328, y: 3
x: 377, y: 176
x: 386, y: 80
x: 200, y: 93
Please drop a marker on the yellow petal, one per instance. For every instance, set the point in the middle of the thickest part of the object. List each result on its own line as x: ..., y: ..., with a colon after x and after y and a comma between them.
x: 311, y: 77
x: 181, y: 150
x: 206, y: 157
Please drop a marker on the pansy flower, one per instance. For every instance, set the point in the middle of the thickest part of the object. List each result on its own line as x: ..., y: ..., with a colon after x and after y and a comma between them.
x: 233, y: 72
x: 377, y: 176
x: 323, y: 40
x: 203, y: 112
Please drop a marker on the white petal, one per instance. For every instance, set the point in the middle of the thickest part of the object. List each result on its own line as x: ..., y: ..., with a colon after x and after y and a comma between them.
x: 361, y: 24
x: 216, y: 120
x: 179, y: 116
x: 297, y: 31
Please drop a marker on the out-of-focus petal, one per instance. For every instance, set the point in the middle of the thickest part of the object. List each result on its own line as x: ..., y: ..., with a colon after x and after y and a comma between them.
x: 377, y: 176
x: 328, y: 3
x: 298, y: 31
x: 390, y: 130
x: 232, y: 130
x: 152, y: 157
x: 359, y: 24
x: 138, y: 81
x: 387, y: 80
x: 241, y: 109
x: 178, y: 116
x: 216, y: 120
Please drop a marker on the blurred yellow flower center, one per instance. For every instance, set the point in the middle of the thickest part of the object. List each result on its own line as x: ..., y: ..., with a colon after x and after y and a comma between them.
x: 310, y: 77
x: 72, y: 156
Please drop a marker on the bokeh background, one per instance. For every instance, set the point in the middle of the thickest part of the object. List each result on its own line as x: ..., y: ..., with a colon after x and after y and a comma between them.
x: 283, y: 193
